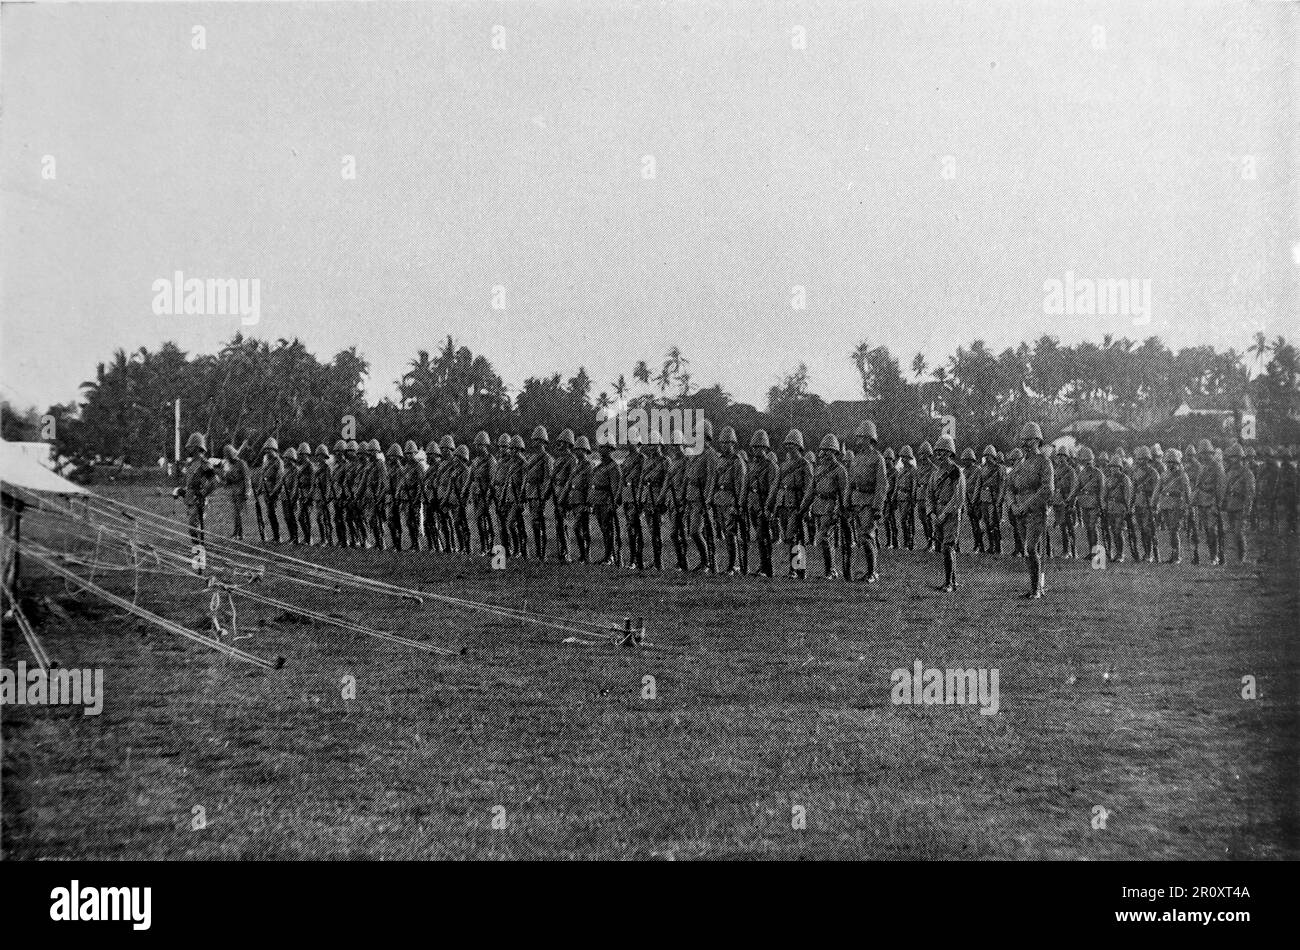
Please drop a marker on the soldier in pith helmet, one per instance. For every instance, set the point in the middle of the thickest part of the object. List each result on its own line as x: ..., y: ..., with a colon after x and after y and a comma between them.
x: 305, y: 488
x: 289, y: 493
x: 322, y: 493
x: 907, y: 495
x: 924, y: 472
x: 701, y: 470
x: 947, y: 500
x: 606, y: 486
x: 633, y: 469
x: 237, y: 478
x: 826, y: 497
x: 1174, y: 498
x: 1119, y: 506
x: 1146, y: 485
x: 990, y: 495
x: 565, y: 461
x: 482, y: 475
x: 1207, y: 496
x: 1090, y: 497
x: 785, y: 501
x: 339, y: 494
x: 970, y: 471
x: 672, y: 497
x: 1015, y: 458
x: 760, y: 478
x: 1065, y: 483
x: 728, y: 495
x: 500, y: 493
x: 654, y: 478
x: 538, y: 468
x: 868, y: 486
x: 891, y: 499
x: 575, y: 491
x: 272, y: 477
x: 198, y: 480
x: 1031, y: 486
x: 1238, y: 497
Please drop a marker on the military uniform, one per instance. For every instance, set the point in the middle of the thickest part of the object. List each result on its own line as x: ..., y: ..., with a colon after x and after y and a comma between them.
x: 1207, y: 495
x: 654, y: 478
x: 538, y: 469
x: 236, y: 477
x: 1146, y: 485
x: 1090, y: 497
x: 785, y: 501
x: 701, y: 470
x: 198, y: 480
x: 1063, y: 505
x: 868, y: 486
x: 341, y: 493
x: 605, y: 489
x: 826, y: 498
x: 630, y: 501
x: 500, y: 494
x: 760, y: 478
x: 482, y: 478
x: 673, y: 498
x: 971, y: 474
x: 272, y: 486
x: 1031, y: 484
x: 306, y: 492
x: 1174, y: 498
x: 456, y: 490
x: 1238, y: 498
x: 726, y: 498
x: 289, y: 493
x: 575, y: 491
x: 1119, y: 509
x: 516, y: 497
x: 990, y: 497
x: 564, y: 462
x: 906, y: 494
x: 946, y: 499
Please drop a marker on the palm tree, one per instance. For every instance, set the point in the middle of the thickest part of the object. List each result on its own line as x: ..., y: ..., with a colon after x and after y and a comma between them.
x: 641, y: 373
x: 1261, y: 348
x: 620, y: 387
x: 664, y: 379
x: 919, y: 365
x: 684, y: 383
x: 861, y: 353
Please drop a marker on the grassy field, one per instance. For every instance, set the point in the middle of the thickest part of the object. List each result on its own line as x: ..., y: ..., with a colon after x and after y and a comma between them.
x: 772, y: 699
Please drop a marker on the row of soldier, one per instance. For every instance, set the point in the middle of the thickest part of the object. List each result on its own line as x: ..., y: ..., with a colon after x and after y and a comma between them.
x: 359, y: 495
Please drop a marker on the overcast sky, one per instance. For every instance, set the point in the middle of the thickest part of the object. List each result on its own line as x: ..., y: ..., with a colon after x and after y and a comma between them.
x: 1112, y: 140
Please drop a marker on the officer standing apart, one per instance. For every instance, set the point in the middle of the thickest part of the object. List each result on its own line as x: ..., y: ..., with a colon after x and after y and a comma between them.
x: 1032, y: 483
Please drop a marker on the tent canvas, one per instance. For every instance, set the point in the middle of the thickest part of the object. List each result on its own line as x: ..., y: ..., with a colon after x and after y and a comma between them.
x: 21, y: 467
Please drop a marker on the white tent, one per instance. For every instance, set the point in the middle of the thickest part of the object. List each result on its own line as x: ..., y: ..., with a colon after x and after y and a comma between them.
x: 25, y: 465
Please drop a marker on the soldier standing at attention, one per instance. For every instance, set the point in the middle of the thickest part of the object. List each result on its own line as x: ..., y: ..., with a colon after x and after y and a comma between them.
x: 760, y: 479
x: 673, y: 497
x: 539, y: 466
x: 320, y: 493
x: 1031, y: 486
x: 1175, y: 497
x: 1256, y: 465
x: 1238, y: 498
x: 565, y: 460
x: 239, y: 485
x: 1016, y: 458
x: 654, y: 476
x: 272, y: 484
x: 1146, y: 484
x: 924, y: 472
x: 785, y: 502
x: 990, y: 495
x: 198, y: 480
x: 905, y: 493
x: 1065, y: 482
x: 971, y: 476
x: 701, y: 470
x: 410, y: 490
x: 1193, y: 469
x: 1207, y: 495
x: 891, y: 499
x: 500, y: 491
x: 727, y: 496
x: 1266, y: 485
x: 947, y: 498
x: 868, y: 477
x: 481, y: 473
x: 827, y: 496
x: 289, y: 493
x: 606, y: 489
x: 575, y: 491
x: 304, y: 488
x: 1090, y: 496
x: 458, y: 488
x: 1119, y: 506
x: 339, y: 494
x: 392, y: 495
x: 629, y: 501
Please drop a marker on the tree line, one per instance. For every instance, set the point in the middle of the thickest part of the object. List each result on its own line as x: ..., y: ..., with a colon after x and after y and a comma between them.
x: 253, y: 389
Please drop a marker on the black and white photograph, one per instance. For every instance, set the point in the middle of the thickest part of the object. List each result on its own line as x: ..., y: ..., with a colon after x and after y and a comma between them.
x: 651, y: 432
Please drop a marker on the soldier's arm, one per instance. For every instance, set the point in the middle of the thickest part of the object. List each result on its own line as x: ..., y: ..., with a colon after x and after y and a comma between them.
x: 1046, y: 486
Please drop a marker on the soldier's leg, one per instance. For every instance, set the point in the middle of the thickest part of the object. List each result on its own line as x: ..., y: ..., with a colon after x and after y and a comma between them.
x: 696, y: 528
x: 1034, y: 527
x: 273, y: 519
x: 261, y: 522
x: 710, y: 536
x: 866, y: 530
x: 237, y: 514
x: 561, y: 515
x: 824, y: 538
x: 632, y: 523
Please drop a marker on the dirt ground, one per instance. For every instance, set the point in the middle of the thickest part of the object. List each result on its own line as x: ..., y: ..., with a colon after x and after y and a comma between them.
x: 770, y: 733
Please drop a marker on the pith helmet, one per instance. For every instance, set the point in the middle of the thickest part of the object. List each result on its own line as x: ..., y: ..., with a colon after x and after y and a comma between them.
x: 906, y: 452
x: 410, y: 448
x: 503, y: 441
x: 394, y: 450
x: 794, y: 437
x: 447, y: 442
x: 1143, y: 454
x: 759, y: 439
x: 1116, y: 461
x: 482, y: 438
x: 374, y: 446
x: 866, y: 430
x: 271, y: 445
x: 925, y: 449
x: 517, y: 442
x: 322, y: 450
x: 1063, y: 450
x: 540, y: 433
x: 196, y: 440
x: 582, y: 444
x: 968, y: 455
x: 1204, y: 446
x: 340, y: 446
x: 1015, y: 455
x: 946, y: 444
x: 462, y: 452
x: 1085, y: 455
x: 728, y: 436
x: 1190, y: 450
x: 1103, y: 458
x: 432, y: 450
x: 1031, y: 430
x: 1234, y: 451
x: 304, y: 448
x: 353, y: 446
x: 1173, y: 455
x: 1157, y: 451
x: 291, y: 454
x: 567, y: 437
x: 888, y: 454
x: 829, y: 442
x: 990, y: 453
